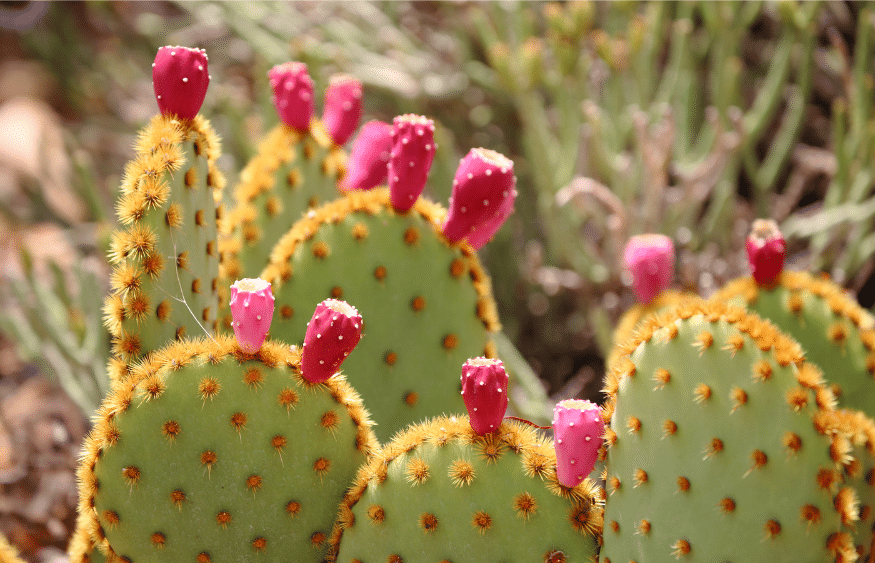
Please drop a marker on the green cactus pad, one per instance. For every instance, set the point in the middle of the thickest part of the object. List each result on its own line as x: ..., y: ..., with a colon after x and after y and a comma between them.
x: 440, y: 492
x: 293, y: 171
x: 165, y: 256
x: 207, y: 454
x: 426, y: 304
x: 723, y: 446
x: 834, y: 331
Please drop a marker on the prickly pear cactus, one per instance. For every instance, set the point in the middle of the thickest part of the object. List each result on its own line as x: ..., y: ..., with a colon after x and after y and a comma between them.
x: 723, y: 446
x: 441, y: 492
x: 292, y: 172
x: 834, y: 331
x: 427, y: 303
x: 212, y: 454
x: 165, y: 256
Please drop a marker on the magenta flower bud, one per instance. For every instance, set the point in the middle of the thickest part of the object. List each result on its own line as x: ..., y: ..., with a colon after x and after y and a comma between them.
x: 180, y: 78
x: 332, y: 333
x: 343, y: 108
x: 578, y: 428
x: 369, y: 157
x: 484, y: 180
x: 488, y: 228
x: 484, y: 390
x: 413, y: 149
x: 292, y: 94
x: 649, y: 259
x: 766, y: 251
x: 251, y: 312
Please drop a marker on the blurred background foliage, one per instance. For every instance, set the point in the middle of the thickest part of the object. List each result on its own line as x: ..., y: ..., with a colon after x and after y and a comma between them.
x: 685, y: 118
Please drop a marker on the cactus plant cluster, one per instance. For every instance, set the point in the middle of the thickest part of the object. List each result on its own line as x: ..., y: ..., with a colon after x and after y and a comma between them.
x: 726, y: 439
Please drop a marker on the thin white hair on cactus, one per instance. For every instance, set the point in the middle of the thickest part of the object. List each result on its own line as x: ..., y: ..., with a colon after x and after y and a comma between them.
x: 181, y: 298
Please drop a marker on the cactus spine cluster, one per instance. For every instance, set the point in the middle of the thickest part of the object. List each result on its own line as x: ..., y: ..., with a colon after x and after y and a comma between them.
x: 724, y: 445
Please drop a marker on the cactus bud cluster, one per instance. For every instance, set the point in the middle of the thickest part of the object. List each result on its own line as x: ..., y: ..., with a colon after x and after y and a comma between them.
x: 180, y: 77
x: 483, y: 183
x: 649, y: 258
x: 343, y: 108
x: 484, y: 390
x: 369, y: 157
x: 766, y: 250
x: 252, y: 305
x: 332, y: 333
x: 292, y: 94
x: 413, y: 149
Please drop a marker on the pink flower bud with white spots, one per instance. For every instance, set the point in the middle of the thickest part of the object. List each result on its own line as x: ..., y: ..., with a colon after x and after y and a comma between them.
x: 332, y: 333
x: 180, y: 78
x: 484, y: 180
x: 766, y: 251
x: 252, y: 305
x: 484, y: 390
x: 413, y: 149
x: 578, y: 428
x: 343, y: 108
x: 488, y: 228
x: 369, y: 157
x: 649, y: 259
x: 292, y: 94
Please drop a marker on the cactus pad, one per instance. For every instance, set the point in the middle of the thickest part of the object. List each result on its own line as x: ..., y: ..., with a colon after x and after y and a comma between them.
x: 441, y: 492
x: 723, y: 446
x: 834, y: 331
x: 165, y: 259
x: 212, y: 454
x: 426, y: 303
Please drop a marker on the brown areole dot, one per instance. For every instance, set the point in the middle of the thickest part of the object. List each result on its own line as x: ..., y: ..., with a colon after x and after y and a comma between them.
x: 450, y: 341
x: 702, y: 393
x: 203, y: 557
x: 199, y: 217
x: 417, y: 303
x: 380, y: 273
x: 321, y: 250
x: 158, y: 540
x: 683, y: 484
x: 223, y: 518
x: 457, y: 268
x: 390, y: 358
x: 639, y: 477
x: 177, y: 497
x: 259, y: 544
x: 411, y: 398
x: 411, y: 236
x: 293, y: 507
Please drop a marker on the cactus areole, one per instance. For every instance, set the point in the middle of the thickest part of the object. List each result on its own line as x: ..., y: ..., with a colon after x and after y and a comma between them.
x: 766, y: 251
x: 649, y: 258
x: 252, y: 305
x: 332, y: 333
x: 413, y: 149
x: 484, y: 390
x: 343, y: 108
x: 483, y: 181
x: 369, y: 157
x: 180, y: 77
x: 292, y: 94
x: 578, y: 428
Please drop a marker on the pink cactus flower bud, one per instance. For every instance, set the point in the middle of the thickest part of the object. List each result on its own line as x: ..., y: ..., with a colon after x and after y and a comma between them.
x: 488, y: 228
x: 332, y: 333
x: 369, y: 157
x: 180, y: 77
x: 484, y: 390
x: 343, y: 108
x: 413, y: 149
x: 251, y: 312
x: 484, y: 180
x: 292, y: 94
x: 578, y: 428
x: 766, y: 251
x: 649, y: 258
